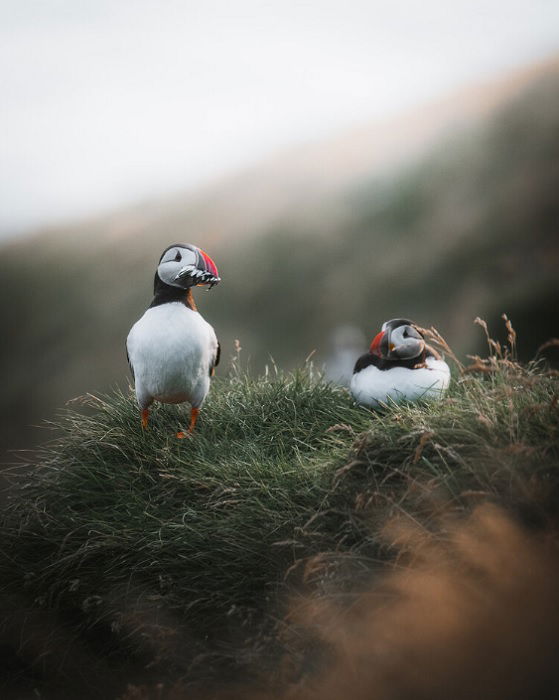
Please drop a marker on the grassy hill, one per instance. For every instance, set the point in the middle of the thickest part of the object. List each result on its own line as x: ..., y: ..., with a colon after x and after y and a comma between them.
x: 131, y: 557
x: 468, y: 227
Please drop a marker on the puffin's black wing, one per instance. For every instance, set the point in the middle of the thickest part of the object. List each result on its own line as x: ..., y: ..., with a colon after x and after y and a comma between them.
x: 217, y: 354
x: 365, y: 361
x: 216, y: 359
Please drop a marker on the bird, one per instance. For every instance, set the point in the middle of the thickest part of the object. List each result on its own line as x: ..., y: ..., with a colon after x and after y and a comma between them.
x: 172, y: 350
x: 399, y: 366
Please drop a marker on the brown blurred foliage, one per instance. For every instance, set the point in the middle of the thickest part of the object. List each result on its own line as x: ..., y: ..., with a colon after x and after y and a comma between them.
x: 470, y: 613
x: 474, y: 613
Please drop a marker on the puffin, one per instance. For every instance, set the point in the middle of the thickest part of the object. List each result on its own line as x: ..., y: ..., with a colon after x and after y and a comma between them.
x: 399, y: 366
x: 172, y: 351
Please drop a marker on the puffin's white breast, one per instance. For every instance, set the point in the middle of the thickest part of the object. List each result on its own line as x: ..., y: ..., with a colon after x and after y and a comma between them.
x: 372, y: 386
x: 171, y: 350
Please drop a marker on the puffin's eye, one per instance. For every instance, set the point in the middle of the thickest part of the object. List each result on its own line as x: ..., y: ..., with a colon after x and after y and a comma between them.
x: 178, y: 257
x: 406, y: 333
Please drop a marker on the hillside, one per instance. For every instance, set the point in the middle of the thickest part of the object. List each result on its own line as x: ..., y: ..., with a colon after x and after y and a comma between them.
x: 463, y: 223
x: 264, y: 551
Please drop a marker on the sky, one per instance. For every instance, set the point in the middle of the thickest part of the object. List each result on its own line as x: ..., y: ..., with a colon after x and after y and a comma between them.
x: 108, y: 102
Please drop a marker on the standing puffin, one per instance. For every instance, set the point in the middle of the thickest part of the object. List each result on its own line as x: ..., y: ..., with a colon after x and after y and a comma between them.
x: 399, y: 366
x: 172, y: 350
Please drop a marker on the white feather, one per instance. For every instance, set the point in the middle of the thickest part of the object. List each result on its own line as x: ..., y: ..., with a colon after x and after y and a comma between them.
x: 171, y: 351
x: 372, y: 386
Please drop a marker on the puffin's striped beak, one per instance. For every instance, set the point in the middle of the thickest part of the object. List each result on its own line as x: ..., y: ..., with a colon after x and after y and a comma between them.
x: 375, y: 345
x: 203, y: 272
x: 210, y: 272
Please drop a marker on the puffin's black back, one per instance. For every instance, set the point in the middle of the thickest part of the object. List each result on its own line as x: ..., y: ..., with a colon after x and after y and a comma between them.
x: 381, y: 363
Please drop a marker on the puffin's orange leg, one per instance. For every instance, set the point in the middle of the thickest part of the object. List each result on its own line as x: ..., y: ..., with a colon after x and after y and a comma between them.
x: 193, y: 418
x: 145, y: 416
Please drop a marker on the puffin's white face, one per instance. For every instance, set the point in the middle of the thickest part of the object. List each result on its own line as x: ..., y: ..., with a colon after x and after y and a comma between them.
x: 398, y: 340
x: 405, y: 343
x: 183, y: 266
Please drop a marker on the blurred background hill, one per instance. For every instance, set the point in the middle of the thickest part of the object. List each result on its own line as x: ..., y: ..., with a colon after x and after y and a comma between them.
x: 443, y: 214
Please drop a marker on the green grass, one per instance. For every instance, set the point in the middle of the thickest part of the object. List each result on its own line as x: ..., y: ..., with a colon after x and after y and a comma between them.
x: 286, y: 484
x: 196, y: 521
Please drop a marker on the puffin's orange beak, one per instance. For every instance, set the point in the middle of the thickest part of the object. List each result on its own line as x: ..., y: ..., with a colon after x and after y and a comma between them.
x: 203, y: 272
x: 375, y: 345
x: 209, y: 269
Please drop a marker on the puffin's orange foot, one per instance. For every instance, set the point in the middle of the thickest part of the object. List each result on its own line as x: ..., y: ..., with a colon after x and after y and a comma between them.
x: 181, y: 435
x: 145, y: 416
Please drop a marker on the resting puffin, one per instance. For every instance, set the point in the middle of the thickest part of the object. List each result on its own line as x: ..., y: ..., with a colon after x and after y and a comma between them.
x: 399, y: 366
x: 172, y: 350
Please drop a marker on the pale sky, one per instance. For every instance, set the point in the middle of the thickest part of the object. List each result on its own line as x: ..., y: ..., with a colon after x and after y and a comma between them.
x: 107, y: 102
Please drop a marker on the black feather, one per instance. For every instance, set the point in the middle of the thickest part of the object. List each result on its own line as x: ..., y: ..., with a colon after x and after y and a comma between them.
x: 381, y: 363
x: 217, y: 354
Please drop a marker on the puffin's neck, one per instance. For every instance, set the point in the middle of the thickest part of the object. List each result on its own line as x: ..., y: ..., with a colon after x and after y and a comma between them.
x: 164, y: 294
x: 381, y: 363
x: 410, y: 364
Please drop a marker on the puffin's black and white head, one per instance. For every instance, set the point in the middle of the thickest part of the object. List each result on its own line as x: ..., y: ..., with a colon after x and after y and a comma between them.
x: 399, y: 339
x: 183, y: 266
